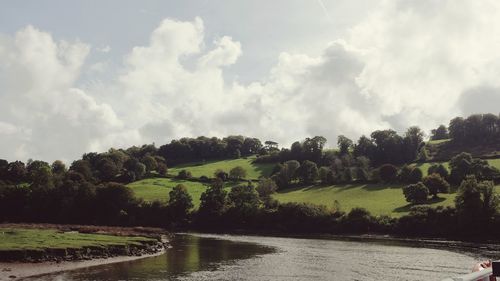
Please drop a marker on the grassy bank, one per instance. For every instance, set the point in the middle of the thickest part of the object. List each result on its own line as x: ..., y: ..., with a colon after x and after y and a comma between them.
x: 42, y: 244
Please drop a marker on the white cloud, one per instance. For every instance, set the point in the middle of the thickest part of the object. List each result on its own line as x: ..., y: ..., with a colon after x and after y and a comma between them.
x: 409, y: 62
x: 51, y: 118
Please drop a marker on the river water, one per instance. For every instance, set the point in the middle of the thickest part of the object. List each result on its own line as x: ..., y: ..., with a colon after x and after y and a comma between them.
x: 235, y: 257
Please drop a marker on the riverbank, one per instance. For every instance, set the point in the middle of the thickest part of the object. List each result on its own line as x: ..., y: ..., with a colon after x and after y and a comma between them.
x: 32, y: 249
x: 18, y: 270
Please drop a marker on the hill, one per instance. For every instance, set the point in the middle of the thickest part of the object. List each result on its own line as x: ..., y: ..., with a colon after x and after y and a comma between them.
x: 198, y: 169
x: 159, y: 188
x: 444, y: 150
x: 379, y: 199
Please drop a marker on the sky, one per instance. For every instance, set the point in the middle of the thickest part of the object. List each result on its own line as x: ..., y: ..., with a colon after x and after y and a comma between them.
x: 81, y: 76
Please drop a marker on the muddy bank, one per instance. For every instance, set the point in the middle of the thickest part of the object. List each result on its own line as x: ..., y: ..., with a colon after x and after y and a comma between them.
x: 19, y: 270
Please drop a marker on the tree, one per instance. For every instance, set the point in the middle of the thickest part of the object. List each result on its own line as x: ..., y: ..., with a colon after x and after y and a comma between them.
x: 179, y: 203
x: 413, y: 137
x: 266, y: 188
x: 220, y: 174
x: 213, y: 200
x: 476, y: 204
x: 308, y: 172
x: 162, y: 169
x: 16, y: 172
x: 388, y: 173
x: 344, y: 144
x: 40, y: 174
x: 436, y: 184
x: 184, y: 174
x: 237, y: 173
x: 416, y: 193
x: 244, y: 200
x: 438, y: 169
x: 404, y: 174
x: 440, y: 133
x: 415, y: 175
x: 326, y: 175
x: 58, y: 167
x: 150, y: 163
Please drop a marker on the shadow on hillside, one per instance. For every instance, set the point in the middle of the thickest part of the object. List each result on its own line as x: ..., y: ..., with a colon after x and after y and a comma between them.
x: 339, y: 187
x: 264, y: 169
x: 407, y: 208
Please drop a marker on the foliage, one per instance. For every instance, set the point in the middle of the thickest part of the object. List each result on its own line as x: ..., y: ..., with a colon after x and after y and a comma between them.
x: 416, y: 193
x: 476, y: 203
x: 415, y: 175
x: 184, y: 174
x: 308, y: 172
x: 237, y: 173
x: 388, y: 173
x: 266, y: 188
x: 180, y: 203
x: 436, y: 184
x: 438, y: 169
x: 440, y: 133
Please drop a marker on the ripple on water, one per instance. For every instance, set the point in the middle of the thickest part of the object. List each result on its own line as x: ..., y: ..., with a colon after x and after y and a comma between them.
x: 227, y: 257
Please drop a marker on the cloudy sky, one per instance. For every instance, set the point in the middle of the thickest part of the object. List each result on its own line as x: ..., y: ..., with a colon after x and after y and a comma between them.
x: 80, y: 76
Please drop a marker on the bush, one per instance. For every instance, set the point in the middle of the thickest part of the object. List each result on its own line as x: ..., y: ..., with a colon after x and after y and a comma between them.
x: 415, y: 175
x: 220, y: 174
x: 184, y: 174
x: 237, y: 173
x: 358, y: 220
x: 438, y: 169
x: 436, y: 184
x: 388, y: 173
x: 416, y: 193
x: 204, y: 179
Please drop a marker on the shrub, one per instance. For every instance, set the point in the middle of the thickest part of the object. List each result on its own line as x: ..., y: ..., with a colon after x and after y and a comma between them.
x: 237, y: 173
x: 388, y: 172
x: 415, y: 175
x: 220, y: 174
x: 438, y: 169
x: 184, y: 174
x: 436, y: 184
x: 416, y: 193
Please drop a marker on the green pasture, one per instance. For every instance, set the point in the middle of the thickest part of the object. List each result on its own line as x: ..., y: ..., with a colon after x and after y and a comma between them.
x: 159, y: 188
x: 379, y: 199
x: 198, y: 169
x: 38, y: 239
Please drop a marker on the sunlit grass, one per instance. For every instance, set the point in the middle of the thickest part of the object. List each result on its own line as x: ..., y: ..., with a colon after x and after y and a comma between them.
x: 35, y: 239
x: 198, y: 169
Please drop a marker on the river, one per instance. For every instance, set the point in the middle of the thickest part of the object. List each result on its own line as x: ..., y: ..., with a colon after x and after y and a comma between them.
x: 239, y: 257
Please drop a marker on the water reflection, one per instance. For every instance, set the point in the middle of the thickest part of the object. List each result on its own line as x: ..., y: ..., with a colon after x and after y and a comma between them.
x: 226, y: 257
x: 188, y: 254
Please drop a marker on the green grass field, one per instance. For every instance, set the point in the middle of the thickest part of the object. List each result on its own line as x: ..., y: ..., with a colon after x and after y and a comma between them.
x: 198, y: 169
x: 38, y: 239
x: 378, y: 199
x: 425, y: 166
x: 158, y: 189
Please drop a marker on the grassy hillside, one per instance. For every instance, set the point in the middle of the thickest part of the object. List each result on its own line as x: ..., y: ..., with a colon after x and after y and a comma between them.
x: 159, y: 188
x: 197, y: 169
x: 425, y: 166
x: 442, y: 150
x: 378, y: 199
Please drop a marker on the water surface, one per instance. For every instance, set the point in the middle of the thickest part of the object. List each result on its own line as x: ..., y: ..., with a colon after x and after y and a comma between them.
x: 228, y: 257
